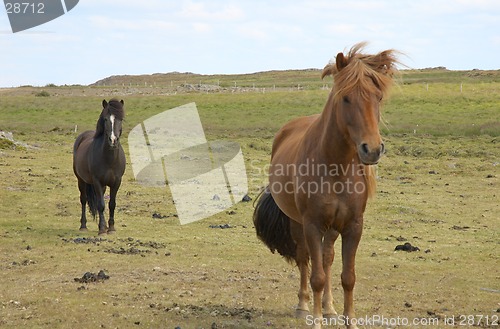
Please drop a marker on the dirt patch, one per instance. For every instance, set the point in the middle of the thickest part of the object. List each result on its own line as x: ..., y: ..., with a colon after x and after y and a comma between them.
x: 26, y: 262
x: 89, y: 277
x: 128, y: 251
x: 198, y: 311
x: 222, y: 226
x: 406, y: 247
x: 126, y: 246
x: 84, y: 240
x: 148, y: 244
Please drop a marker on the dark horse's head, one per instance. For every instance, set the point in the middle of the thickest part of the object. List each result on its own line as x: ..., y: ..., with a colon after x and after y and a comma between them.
x: 109, y: 124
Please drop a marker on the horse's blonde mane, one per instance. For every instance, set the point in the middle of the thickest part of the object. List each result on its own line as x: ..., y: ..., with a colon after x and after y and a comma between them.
x: 362, y: 74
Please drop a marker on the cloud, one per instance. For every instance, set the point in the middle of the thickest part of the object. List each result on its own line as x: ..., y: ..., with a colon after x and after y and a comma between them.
x: 341, y: 28
x: 253, y: 31
x: 115, y: 24
x: 203, y: 11
x: 202, y: 27
x: 480, y: 4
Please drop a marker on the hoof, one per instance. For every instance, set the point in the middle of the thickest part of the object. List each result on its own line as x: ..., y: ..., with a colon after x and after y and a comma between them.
x: 111, y: 231
x: 301, y: 314
x: 103, y: 232
x: 83, y: 229
x: 333, y: 318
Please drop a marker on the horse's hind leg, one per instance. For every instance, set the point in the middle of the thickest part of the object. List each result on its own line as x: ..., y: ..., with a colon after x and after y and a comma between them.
x: 112, y: 205
x: 328, y: 256
x: 302, y: 260
x: 83, y: 202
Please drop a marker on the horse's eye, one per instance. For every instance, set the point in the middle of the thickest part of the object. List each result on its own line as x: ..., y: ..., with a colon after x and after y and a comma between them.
x: 346, y: 100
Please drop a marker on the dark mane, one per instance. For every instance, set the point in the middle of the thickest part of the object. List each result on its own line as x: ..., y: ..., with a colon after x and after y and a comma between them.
x: 362, y: 74
x: 114, y: 107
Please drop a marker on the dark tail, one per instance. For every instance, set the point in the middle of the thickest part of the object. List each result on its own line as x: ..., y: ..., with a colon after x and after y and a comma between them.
x: 92, y: 200
x: 273, y: 226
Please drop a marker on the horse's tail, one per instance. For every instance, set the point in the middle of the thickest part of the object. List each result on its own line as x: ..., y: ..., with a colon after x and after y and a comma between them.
x: 273, y: 226
x: 92, y: 200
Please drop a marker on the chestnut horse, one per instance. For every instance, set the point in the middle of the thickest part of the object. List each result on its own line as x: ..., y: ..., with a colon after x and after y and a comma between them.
x: 320, y: 178
x: 99, y: 161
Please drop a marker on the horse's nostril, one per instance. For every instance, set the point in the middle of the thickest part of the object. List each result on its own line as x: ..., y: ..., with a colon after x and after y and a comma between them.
x: 382, y: 148
x: 364, y: 148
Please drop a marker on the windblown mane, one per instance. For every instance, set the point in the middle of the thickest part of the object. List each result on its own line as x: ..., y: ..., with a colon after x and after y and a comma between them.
x: 362, y: 74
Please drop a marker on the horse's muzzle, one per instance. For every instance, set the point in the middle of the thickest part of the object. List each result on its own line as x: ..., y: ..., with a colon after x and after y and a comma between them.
x: 113, y: 142
x: 368, y: 155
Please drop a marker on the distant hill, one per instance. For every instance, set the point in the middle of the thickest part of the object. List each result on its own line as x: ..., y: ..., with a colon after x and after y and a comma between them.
x: 302, y: 79
x: 268, y: 79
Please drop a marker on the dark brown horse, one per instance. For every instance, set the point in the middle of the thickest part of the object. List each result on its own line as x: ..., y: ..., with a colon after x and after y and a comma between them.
x: 321, y: 176
x: 99, y: 161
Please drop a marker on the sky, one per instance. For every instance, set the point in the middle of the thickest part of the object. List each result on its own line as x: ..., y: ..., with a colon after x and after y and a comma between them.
x: 100, y: 38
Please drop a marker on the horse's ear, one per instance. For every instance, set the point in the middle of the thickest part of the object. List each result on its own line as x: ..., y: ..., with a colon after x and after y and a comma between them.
x: 104, y: 103
x: 341, y: 61
x: 122, y: 102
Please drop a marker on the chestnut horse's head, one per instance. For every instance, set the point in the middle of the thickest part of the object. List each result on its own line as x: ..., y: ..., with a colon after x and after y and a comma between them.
x: 360, y: 84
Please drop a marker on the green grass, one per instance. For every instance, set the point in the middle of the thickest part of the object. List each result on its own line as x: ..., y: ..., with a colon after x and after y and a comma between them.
x: 437, y: 187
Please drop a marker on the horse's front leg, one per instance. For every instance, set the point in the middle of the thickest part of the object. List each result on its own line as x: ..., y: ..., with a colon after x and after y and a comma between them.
x: 350, y: 242
x: 302, y: 261
x: 328, y: 256
x: 112, y: 205
x: 99, y: 192
x: 314, y: 238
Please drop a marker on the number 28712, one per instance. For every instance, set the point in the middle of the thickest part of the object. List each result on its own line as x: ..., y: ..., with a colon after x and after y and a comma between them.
x: 25, y: 8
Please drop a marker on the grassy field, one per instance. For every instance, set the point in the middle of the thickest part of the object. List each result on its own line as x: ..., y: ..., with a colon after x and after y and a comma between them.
x: 438, y: 188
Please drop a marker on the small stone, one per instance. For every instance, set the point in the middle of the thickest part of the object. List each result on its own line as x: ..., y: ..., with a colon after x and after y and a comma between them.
x: 246, y: 198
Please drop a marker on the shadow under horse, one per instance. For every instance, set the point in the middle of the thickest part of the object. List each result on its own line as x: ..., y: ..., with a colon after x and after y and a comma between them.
x: 320, y: 178
x: 99, y: 161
